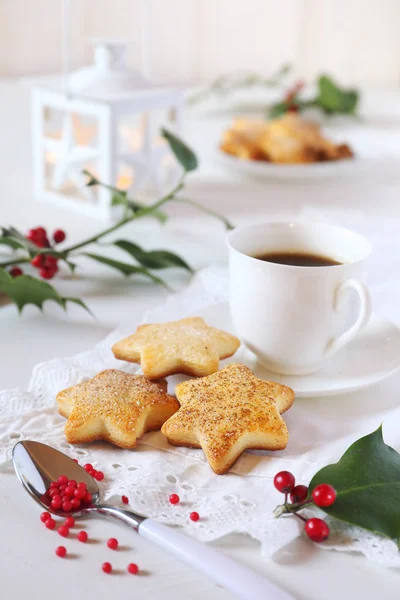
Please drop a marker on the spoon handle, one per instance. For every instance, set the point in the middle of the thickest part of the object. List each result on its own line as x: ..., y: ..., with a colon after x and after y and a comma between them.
x: 123, y: 514
x: 244, y: 582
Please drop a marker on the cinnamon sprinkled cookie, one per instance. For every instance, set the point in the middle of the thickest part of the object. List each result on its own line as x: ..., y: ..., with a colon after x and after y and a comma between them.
x: 227, y: 412
x: 116, y: 407
x: 187, y: 346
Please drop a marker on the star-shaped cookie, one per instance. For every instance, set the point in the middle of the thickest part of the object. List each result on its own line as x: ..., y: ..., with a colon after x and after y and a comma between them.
x: 227, y: 412
x: 116, y: 407
x: 188, y: 346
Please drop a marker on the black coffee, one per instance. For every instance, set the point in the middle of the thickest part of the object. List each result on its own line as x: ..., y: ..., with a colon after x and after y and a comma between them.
x: 298, y: 259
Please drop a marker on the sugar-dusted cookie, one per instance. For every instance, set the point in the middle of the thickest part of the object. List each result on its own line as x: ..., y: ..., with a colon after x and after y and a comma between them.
x: 187, y: 346
x: 116, y: 407
x: 227, y: 412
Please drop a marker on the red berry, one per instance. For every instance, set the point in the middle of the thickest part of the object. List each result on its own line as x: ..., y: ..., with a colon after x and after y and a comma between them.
x: 38, y: 236
x: 284, y: 482
x: 92, y: 472
x: 112, y: 543
x: 16, y: 272
x: 38, y: 261
x: 324, y: 495
x: 50, y: 262
x: 82, y: 486
x: 62, y: 488
x: 82, y: 536
x: 107, y: 568
x: 88, y: 498
x: 194, y: 516
x: 59, y: 236
x: 66, y: 506
x: 72, y: 483
x: 44, y: 516
x: 50, y: 523
x: 174, y: 498
x: 62, y: 480
x: 53, y: 492
x: 79, y: 493
x: 299, y: 493
x: 133, y: 569
x: 299, y: 85
x: 54, y: 485
x: 56, y: 502
x: 125, y: 499
x: 31, y: 235
x: 63, y: 530
x: 316, y: 529
x: 61, y: 551
x: 76, y: 460
x: 47, y: 272
x: 41, y: 242
x: 99, y: 476
x: 70, y: 521
x: 75, y: 503
x: 69, y: 490
x: 88, y: 467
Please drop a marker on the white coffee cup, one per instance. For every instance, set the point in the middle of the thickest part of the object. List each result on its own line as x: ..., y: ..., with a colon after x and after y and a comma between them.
x: 295, y: 317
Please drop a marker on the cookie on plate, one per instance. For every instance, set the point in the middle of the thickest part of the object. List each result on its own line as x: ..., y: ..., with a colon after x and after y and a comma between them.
x: 188, y: 346
x: 116, y: 407
x: 228, y: 412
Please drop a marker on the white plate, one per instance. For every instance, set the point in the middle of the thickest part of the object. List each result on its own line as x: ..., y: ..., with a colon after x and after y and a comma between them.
x: 371, y: 357
x: 322, y: 170
x: 376, y: 150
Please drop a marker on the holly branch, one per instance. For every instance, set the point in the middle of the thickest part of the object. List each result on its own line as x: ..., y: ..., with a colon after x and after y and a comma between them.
x: 330, y: 99
x: 36, y: 249
x: 225, y: 85
x: 362, y: 489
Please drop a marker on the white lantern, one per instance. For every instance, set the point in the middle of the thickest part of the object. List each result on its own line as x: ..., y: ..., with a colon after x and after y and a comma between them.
x: 104, y: 118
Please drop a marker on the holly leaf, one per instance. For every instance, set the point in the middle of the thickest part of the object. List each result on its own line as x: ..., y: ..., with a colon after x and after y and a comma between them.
x: 92, y: 180
x: 333, y: 99
x: 13, y: 232
x: 15, y: 239
x: 367, y: 483
x: 125, y: 268
x: 11, y: 243
x: 277, y: 110
x: 183, y: 154
x: 154, y: 259
x: 25, y: 290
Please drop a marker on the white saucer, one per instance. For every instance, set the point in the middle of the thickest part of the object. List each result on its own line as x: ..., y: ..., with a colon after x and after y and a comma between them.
x: 372, y: 356
x: 289, y: 172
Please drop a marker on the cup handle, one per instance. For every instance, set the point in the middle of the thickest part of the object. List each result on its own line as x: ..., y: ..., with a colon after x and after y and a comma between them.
x: 365, y: 312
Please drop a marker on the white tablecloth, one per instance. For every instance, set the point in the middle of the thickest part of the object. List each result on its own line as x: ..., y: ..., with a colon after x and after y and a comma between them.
x: 27, y: 561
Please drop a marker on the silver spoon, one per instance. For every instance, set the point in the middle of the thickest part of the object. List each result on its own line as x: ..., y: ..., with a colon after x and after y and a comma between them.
x: 37, y: 465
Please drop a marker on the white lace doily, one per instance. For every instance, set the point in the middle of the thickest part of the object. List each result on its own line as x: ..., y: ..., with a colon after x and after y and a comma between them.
x: 240, y: 501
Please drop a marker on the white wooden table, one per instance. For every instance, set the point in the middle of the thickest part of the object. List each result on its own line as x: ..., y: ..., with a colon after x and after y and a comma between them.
x: 28, y: 566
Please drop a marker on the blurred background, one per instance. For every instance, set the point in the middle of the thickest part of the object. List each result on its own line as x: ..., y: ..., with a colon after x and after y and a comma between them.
x: 265, y: 51
x: 220, y: 74
x: 196, y: 40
